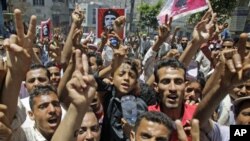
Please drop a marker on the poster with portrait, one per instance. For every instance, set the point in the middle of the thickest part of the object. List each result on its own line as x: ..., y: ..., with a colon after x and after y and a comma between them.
x: 105, y: 18
x: 46, y: 29
x: 181, y: 8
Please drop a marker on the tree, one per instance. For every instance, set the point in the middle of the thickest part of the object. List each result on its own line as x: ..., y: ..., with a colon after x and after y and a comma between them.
x: 223, y: 8
x: 148, y: 15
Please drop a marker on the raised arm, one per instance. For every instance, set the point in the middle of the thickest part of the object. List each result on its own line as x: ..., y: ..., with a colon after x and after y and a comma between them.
x: 173, y: 41
x: 201, y: 34
x: 82, y: 88
x: 77, y: 18
x: 19, y: 57
x: 231, y: 70
x: 62, y: 90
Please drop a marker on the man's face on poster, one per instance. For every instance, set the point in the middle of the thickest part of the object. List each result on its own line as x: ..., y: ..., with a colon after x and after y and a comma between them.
x: 45, y: 30
x: 108, y: 20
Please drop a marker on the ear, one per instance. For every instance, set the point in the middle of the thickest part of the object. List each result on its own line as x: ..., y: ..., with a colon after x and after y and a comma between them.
x: 155, y: 85
x: 31, y: 115
x: 132, y: 135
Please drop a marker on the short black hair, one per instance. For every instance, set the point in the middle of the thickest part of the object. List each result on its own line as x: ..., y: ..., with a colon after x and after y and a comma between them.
x: 173, y: 63
x: 237, y: 108
x: 50, y: 64
x: 133, y: 64
x: 157, y: 117
x: 39, y: 66
x: 40, y: 90
x: 98, y: 57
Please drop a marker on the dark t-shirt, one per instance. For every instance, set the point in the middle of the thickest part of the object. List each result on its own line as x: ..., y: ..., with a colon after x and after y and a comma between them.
x: 112, y: 127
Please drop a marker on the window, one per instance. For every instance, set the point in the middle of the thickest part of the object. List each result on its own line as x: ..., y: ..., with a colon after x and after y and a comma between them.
x: 38, y: 2
x: 58, y: 1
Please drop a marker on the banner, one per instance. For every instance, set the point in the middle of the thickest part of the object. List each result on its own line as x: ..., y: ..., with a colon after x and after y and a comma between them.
x: 181, y: 8
x: 105, y: 18
x: 46, y: 29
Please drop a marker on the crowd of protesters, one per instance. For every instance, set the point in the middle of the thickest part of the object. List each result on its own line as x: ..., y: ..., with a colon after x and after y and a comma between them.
x: 180, y: 88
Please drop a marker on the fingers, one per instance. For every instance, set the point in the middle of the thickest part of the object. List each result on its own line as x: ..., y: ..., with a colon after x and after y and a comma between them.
x: 237, y: 61
x: 32, y: 28
x: 180, y: 131
x: 5, y: 132
x: 6, y: 44
x: 78, y: 59
x: 120, y: 20
x: 170, y: 22
x: 207, y: 14
x: 241, y: 45
x: 19, y: 25
x: 3, y: 116
x: 201, y: 24
x: 166, y: 19
x: 212, y: 20
x: 230, y: 65
x: 233, y: 61
x: 195, y: 130
x: 123, y: 122
x: 85, y: 64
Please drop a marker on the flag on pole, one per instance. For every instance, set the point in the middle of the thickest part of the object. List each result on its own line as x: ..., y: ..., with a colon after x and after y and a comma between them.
x: 181, y: 8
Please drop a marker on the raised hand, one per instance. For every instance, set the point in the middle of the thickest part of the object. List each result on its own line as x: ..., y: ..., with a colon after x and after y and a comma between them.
x: 119, y: 24
x: 19, y: 47
x: 164, y: 30
x: 104, y: 36
x: 204, y: 29
x: 77, y: 16
x: 172, y: 53
x: 234, y: 65
x: 195, y: 131
x: 82, y: 86
x: 76, y: 40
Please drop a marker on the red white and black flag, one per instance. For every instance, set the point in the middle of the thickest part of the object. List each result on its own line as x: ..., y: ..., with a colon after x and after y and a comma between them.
x: 181, y: 8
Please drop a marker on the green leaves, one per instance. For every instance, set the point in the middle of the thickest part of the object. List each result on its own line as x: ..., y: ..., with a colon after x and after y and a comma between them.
x: 148, y: 15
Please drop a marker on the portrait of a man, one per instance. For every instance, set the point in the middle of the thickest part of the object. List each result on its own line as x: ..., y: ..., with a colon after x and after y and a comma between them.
x: 108, y: 17
x: 105, y: 18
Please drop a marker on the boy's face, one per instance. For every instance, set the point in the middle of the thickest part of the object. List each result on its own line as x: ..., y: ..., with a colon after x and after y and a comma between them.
x: 124, y: 79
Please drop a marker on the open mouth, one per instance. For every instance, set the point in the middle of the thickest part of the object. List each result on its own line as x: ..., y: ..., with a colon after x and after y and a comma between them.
x: 53, y: 121
x: 172, y: 97
x: 125, y: 85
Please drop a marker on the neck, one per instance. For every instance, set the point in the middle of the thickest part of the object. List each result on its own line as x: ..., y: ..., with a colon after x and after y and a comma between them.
x: 173, y: 113
x: 47, y: 136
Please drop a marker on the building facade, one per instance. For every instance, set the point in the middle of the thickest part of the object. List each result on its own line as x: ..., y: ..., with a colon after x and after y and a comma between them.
x: 56, y: 10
